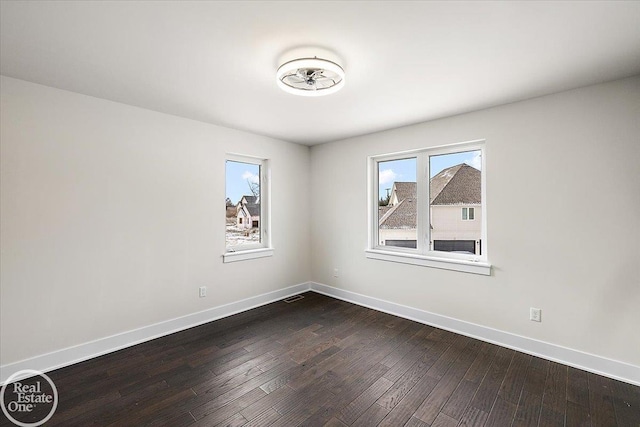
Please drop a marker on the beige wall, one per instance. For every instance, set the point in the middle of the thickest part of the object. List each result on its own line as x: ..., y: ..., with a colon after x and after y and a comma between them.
x: 546, y: 158
x: 112, y: 217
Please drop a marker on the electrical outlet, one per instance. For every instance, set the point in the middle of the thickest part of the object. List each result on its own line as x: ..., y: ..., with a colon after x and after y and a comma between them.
x: 535, y: 314
x: 202, y: 291
x: 335, y: 272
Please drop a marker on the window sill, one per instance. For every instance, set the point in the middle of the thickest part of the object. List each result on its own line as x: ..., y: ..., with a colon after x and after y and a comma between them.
x: 473, y: 267
x: 247, y: 254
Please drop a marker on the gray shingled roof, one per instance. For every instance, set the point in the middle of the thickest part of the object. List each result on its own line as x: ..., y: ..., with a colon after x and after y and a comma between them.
x: 250, y: 199
x: 252, y: 206
x: 405, y: 190
x: 402, y: 215
x: 383, y: 210
x: 254, y: 209
x: 456, y: 185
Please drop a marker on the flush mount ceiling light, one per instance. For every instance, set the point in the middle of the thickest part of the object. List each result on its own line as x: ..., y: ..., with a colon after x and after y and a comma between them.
x: 310, y: 77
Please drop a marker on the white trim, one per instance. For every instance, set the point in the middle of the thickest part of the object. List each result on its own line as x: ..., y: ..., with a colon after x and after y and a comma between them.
x: 589, y: 362
x: 423, y: 255
x: 248, y: 254
x: 71, y: 355
x: 475, y: 267
x: 578, y: 359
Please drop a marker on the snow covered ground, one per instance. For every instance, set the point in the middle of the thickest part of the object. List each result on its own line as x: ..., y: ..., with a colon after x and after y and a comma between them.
x: 237, y: 236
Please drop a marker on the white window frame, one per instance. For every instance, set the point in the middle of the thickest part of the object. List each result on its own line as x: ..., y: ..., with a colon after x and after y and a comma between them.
x: 264, y: 248
x: 423, y: 255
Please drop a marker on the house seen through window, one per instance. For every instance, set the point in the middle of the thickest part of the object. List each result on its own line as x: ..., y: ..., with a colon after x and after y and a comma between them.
x: 243, y: 205
x: 420, y: 198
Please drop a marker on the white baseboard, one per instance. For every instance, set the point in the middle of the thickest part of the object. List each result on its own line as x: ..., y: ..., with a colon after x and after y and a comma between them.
x: 578, y: 359
x: 70, y: 355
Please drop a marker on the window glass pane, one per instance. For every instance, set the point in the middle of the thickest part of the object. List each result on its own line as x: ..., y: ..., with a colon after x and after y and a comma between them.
x: 242, y: 204
x: 455, y: 180
x: 397, y: 204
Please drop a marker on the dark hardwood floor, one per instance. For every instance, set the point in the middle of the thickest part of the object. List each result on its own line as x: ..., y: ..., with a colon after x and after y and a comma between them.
x: 320, y: 361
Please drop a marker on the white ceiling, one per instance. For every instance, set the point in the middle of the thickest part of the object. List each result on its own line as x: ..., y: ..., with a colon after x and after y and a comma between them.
x: 406, y: 62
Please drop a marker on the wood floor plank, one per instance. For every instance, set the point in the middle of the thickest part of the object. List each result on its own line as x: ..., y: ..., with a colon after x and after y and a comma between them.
x: 231, y: 410
x: 473, y: 417
x: 490, y: 386
x: 457, y: 404
x: 360, y: 404
x: 511, y: 387
x: 157, y: 409
x: 578, y: 387
x: 415, y: 422
x: 528, y: 412
x: 303, y: 410
x: 321, y: 361
x: 459, y: 401
x: 443, y: 420
x: 601, y: 400
x: 334, y: 422
x: 626, y: 402
x: 217, y: 400
x: 236, y: 376
x: 432, y: 405
x: 346, y: 392
x: 125, y: 405
x: 503, y: 412
x: 179, y: 419
x: 267, y: 402
x: 371, y: 417
x: 86, y: 409
x: 402, y: 412
x: 577, y: 415
x: 267, y: 418
x: 481, y: 364
x: 554, y: 400
x: 419, y: 369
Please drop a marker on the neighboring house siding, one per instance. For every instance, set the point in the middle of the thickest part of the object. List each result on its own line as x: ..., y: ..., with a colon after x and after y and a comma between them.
x: 447, y: 224
x: 248, y: 215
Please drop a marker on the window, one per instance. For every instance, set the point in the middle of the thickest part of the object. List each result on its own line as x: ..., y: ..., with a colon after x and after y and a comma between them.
x: 416, y: 199
x: 246, y: 209
x: 468, y: 214
x: 397, y: 220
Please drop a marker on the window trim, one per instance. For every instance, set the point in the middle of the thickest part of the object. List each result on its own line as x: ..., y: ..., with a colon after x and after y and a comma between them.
x: 469, y: 209
x: 264, y: 248
x: 422, y: 255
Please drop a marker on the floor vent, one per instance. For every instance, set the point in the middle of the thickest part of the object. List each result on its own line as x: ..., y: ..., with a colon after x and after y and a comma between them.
x: 293, y: 298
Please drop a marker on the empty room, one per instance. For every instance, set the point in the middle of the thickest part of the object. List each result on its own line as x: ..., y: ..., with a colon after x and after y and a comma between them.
x: 319, y: 213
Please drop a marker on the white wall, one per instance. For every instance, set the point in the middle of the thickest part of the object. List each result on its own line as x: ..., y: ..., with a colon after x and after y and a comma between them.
x: 560, y: 170
x: 112, y: 217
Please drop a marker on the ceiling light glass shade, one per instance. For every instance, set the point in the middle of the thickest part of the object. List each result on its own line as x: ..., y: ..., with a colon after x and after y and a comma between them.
x: 310, y: 77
